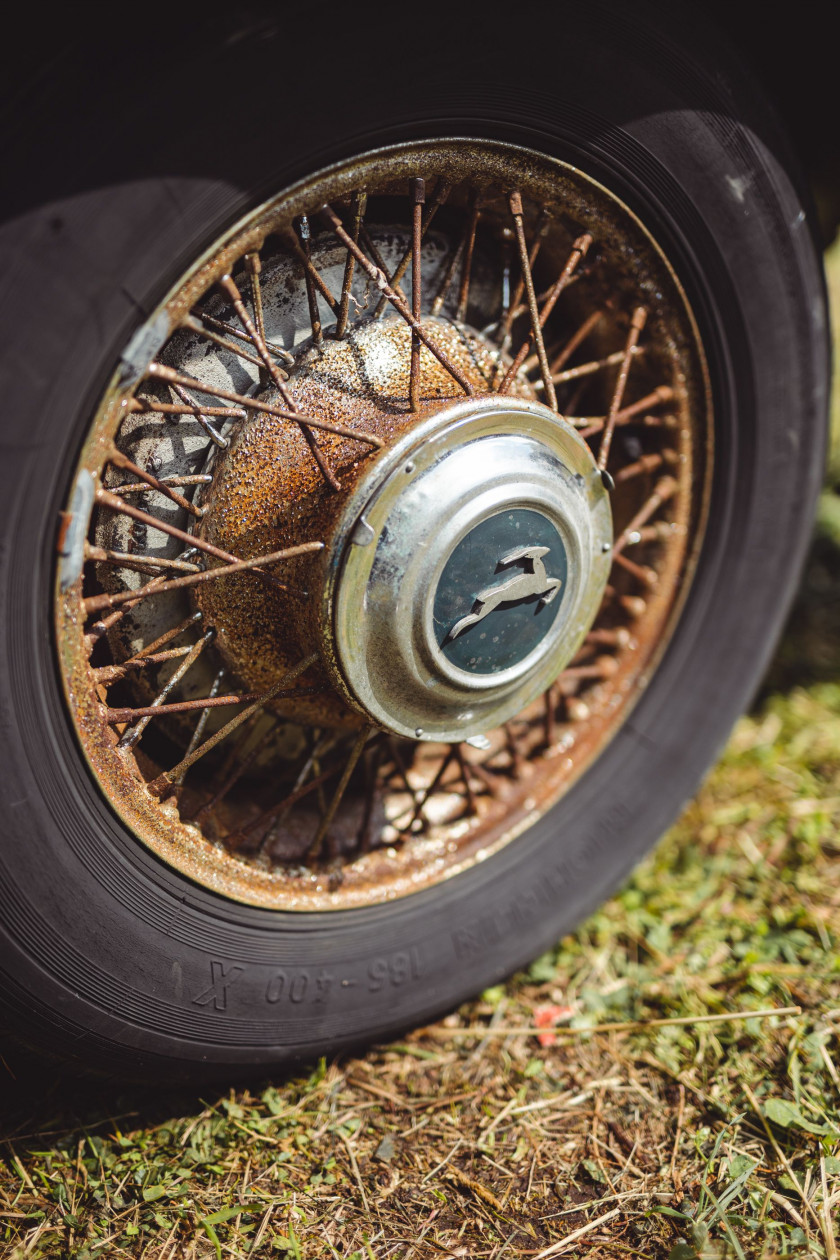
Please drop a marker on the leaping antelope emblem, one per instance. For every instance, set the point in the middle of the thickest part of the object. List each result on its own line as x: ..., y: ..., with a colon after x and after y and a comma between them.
x: 533, y: 580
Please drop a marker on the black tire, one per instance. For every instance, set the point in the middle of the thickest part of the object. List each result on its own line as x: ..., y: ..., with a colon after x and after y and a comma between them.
x: 109, y: 955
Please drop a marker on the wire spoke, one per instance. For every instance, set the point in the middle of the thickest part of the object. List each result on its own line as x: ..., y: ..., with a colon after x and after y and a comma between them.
x: 143, y: 487
x: 378, y: 276
x: 579, y: 251
x: 119, y: 460
x: 515, y: 307
x: 577, y: 339
x: 637, y: 323
x: 96, y: 603
x: 355, y: 753
x: 163, y: 781
x: 663, y: 492
x: 515, y: 201
x: 358, y: 214
x: 418, y: 189
x: 179, y: 390
x: 593, y: 424
x: 145, y: 404
x: 442, y: 190
x: 137, y: 560
x: 256, y: 404
x: 200, y: 725
x: 223, y: 326
x: 466, y: 268
x: 131, y: 736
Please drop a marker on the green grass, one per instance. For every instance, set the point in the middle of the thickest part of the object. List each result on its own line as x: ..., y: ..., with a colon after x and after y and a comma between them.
x: 664, y: 1138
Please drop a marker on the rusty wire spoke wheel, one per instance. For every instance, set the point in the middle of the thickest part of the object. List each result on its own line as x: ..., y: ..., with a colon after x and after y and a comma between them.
x: 427, y: 506
x: 402, y: 488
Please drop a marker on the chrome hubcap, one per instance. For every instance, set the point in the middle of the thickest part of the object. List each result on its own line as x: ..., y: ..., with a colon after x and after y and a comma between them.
x: 466, y: 570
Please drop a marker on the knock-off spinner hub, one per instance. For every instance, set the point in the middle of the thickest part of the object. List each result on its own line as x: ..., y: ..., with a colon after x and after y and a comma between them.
x: 466, y: 569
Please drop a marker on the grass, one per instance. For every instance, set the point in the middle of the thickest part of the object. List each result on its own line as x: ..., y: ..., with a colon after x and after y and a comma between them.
x: 628, y: 1095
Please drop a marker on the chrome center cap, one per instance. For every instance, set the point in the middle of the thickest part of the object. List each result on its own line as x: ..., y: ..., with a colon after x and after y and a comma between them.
x: 466, y: 569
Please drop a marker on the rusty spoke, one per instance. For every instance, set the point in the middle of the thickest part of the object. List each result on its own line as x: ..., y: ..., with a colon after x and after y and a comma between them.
x: 442, y: 190
x: 179, y: 389
x: 373, y: 759
x: 355, y: 753
x: 549, y: 718
x: 637, y: 323
x: 253, y: 265
x: 101, y: 627
x: 418, y: 190
x: 165, y: 638
x: 196, y: 325
x: 221, y: 325
x: 464, y: 769
x: 378, y: 276
x: 658, y: 532
x: 665, y: 489
x: 256, y: 404
x: 95, y: 603
x: 311, y: 273
x: 378, y: 261
x: 642, y: 573
x: 515, y: 307
x: 270, y: 818
x: 131, y: 736
x: 602, y: 667
x: 143, y: 487
x: 579, y: 251
x: 137, y: 560
x: 119, y: 460
x: 505, y: 316
x: 145, y: 404
x: 454, y: 259
x: 646, y: 464
x: 446, y: 762
x: 619, y: 637
x: 164, y: 780
x: 357, y: 215
x: 593, y: 366
x: 515, y: 202
x: 115, y: 716
x: 485, y: 774
x: 594, y: 424
x: 108, y: 674
x: 577, y: 339
x: 514, y: 751
x: 305, y: 237
x: 396, y: 757
x: 242, y: 763
x: 466, y: 266
x: 200, y: 725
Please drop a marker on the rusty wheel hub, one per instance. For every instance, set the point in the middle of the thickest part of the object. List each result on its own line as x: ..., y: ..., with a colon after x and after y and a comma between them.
x: 382, y: 524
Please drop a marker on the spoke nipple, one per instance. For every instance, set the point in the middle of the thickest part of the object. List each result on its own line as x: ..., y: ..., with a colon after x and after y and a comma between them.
x: 418, y: 191
x: 418, y: 732
x: 605, y: 547
x: 515, y: 200
x: 607, y: 479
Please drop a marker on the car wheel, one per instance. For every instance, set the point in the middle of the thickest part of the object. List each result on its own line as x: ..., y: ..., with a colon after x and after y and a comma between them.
x: 403, y: 492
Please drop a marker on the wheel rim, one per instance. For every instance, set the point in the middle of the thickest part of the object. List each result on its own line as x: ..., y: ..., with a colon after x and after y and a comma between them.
x: 257, y: 738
